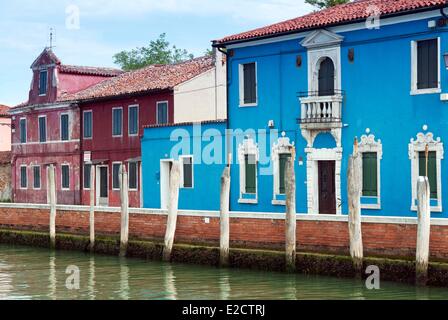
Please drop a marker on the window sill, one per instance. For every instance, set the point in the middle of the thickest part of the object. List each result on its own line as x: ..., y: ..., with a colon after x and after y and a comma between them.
x: 415, y: 92
x: 371, y: 206
x: 436, y: 209
x: 248, y: 201
x: 278, y: 202
x: 248, y: 105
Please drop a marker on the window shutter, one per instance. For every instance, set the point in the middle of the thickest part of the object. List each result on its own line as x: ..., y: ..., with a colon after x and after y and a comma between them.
x: 23, y: 131
x: 432, y: 170
x: 88, y: 125
x: 188, y: 172
x: 283, y: 158
x: 251, y: 175
x: 133, y: 175
x: 42, y: 130
x: 369, y: 174
x: 250, y: 84
x: 427, y: 62
x: 87, y: 169
x: 36, y: 177
x: 116, y: 173
x: 23, y: 178
x: 64, y: 127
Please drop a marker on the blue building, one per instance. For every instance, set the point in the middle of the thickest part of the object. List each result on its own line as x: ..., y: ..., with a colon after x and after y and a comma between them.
x: 374, y: 70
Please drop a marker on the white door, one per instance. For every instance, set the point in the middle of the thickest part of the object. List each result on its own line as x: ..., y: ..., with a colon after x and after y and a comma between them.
x: 165, y: 167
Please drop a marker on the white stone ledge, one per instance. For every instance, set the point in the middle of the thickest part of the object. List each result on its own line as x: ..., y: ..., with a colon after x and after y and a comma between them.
x: 234, y: 214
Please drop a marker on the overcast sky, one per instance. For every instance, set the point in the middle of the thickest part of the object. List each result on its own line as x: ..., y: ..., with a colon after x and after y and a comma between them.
x: 109, y: 26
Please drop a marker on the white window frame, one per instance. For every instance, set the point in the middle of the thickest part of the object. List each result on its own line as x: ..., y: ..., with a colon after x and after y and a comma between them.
x: 369, y: 144
x: 68, y: 126
x: 121, y: 135
x: 26, y: 130
x: 129, y: 120
x: 83, y: 177
x: 46, y: 127
x: 419, y: 145
x: 167, y: 111
x: 241, y: 85
x: 113, y: 172
x: 136, y: 175
x: 414, y: 69
x: 62, y: 177
x: 40, y: 177
x: 282, y: 146
x: 247, y: 147
x: 46, y: 91
x: 182, y: 158
x: 83, y: 125
x: 26, y: 175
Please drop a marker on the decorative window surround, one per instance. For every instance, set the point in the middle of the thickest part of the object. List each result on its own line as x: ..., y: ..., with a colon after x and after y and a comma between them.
x: 368, y: 144
x: 419, y: 145
x: 414, y: 89
x: 247, y: 147
x: 283, y: 146
x: 312, y: 173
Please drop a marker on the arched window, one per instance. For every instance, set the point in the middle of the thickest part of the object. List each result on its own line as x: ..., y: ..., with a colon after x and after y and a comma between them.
x: 326, y: 77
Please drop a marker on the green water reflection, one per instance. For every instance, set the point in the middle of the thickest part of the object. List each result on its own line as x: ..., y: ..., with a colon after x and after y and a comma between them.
x: 30, y: 273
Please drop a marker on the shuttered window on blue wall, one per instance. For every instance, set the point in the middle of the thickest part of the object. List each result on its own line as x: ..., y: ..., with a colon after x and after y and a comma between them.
x: 250, y: 83
x: 432, y: 170
x: 427, y: 63
x: 188, y: 172
x: 369, y: 174
x: 283, y: 158
x: 251, y: 174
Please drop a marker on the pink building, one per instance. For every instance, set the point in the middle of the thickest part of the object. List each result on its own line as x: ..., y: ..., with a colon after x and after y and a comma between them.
x: 46, y: 130
x: 5, y: 129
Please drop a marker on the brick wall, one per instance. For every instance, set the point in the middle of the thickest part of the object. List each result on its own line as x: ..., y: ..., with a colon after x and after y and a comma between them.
x: 386, y: 239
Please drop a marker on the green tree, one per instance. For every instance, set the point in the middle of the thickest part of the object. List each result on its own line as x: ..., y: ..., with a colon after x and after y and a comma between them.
x: 323, y: 4
x: 158, y: 51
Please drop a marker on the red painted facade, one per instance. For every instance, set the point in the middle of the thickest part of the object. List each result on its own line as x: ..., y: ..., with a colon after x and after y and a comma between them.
x: 34, y: 153
x: 106, y: 149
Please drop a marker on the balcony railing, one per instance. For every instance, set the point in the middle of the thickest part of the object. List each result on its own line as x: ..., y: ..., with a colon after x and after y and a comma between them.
x: 321, y: 109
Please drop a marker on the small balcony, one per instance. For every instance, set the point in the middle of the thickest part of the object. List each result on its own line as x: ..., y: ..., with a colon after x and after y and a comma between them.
x: 320, y: 111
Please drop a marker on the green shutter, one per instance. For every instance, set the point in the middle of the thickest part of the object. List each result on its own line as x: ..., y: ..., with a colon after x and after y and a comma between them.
x: 432, y: 170
x: 369, y: 174
x: 251, y: 167
x: 283, y: 158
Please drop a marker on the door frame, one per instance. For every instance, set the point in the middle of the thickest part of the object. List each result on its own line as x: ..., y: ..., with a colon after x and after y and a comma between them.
x: 165, y: 182
x: 332, y: 164
x: 312, y: 169
x: 98, y: 183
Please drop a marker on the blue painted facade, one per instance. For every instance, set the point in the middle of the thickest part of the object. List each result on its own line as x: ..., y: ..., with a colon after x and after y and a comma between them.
x: 377, y: 99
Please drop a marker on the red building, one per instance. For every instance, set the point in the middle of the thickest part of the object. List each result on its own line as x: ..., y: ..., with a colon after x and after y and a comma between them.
x: 113, y: 114
x: 46, y: 130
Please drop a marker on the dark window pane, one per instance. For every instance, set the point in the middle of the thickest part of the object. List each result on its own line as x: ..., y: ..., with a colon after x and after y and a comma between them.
x: 133, y: 120
x: 432, y: 170
x: 23, y: 177
x: 64, y: 127
x: 42, y: 129
x: 87, y: 170
x: 43, y: 79
x: 162, y: 113
x: 188, y: 172
x: 369, y: 174
x: 23, y: 130
x: 88, y: 124
x: 133, y: 175
x: 116, y: 175
x: 251, y: 175
x: 283, y: 158
x: 117, y: 120
x: 65, y: 171
x: 36, y: 174
x: 427, y: 62
x: 250, y: 83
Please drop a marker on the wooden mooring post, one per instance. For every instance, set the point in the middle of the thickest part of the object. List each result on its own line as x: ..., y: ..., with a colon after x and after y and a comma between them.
x: 173, y: 205
x: 92, y: 209
x: 423, y: 231
x: 52, y: 194
x: 124, y: 194
x: 291, y: 215
x: 354, y: 179
x: 224, y: 241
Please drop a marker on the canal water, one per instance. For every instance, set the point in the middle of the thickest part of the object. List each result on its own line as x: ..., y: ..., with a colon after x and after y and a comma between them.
x: 32, y: 273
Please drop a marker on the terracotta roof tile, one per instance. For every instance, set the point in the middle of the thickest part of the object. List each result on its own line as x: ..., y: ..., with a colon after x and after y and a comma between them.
x: 96, y: 71
x: 4, y: 110
x: 151, y: 78
x: 344, y: 13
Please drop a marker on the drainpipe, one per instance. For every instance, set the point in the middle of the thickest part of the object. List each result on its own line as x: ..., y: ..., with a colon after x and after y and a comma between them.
x: 443, y: 12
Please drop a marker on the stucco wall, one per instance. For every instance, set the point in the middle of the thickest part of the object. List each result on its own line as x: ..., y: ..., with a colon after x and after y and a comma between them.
x: 5, y: 134
x: 203, y: 97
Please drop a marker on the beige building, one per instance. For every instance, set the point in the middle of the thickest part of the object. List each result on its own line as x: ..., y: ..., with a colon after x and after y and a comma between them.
x: 5, y: 129
x: 204, y: 97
